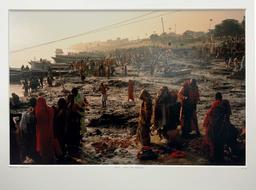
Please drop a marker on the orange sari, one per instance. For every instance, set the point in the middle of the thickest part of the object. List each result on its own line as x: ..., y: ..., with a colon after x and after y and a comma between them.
x: 44, y: 131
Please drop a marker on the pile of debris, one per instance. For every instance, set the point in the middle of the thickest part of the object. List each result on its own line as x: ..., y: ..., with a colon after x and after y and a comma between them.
x: 111, y: 146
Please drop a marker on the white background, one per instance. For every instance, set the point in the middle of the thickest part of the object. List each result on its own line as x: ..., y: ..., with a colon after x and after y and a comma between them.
x: 128, y: 177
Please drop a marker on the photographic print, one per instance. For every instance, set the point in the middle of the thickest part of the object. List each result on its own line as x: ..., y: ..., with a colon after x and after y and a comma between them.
x: 144, y: 87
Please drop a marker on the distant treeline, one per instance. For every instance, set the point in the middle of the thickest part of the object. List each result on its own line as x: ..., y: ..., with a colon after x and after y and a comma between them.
x: 228, y: 27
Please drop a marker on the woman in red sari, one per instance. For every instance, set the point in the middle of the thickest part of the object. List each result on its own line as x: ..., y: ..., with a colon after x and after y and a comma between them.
x: 219, y: 130
x: 44, y: 131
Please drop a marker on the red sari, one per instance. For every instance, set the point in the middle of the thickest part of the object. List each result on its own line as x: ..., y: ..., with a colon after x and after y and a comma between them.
x: 44, y: 131
x: 209, y: 112
x: 216, y: 123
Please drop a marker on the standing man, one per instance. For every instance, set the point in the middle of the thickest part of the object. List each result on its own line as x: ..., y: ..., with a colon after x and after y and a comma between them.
x: 49, y: 81
x: 125, y: 70
x: 82, y: 75
x: 80, y: 101
x: 101, y: 69
x: 26, y: 87
x: 41, y: 79
x: 103, y: 89
x: 130, y: 91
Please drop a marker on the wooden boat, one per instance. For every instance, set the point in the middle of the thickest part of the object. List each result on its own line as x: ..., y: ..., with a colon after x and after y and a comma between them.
x: 173, y: 73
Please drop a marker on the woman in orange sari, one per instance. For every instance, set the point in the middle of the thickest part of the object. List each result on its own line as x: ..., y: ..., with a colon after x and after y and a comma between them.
x: 143, y: 129
x: 44, y: 131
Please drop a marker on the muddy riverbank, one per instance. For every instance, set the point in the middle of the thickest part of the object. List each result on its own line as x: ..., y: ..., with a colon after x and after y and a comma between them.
x: 110, y: 134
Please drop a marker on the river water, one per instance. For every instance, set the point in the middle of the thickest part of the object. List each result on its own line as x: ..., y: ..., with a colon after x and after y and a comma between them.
x: 17, y: 89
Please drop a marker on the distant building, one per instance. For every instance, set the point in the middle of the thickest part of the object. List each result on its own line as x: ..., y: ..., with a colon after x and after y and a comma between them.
x: 73, y: 57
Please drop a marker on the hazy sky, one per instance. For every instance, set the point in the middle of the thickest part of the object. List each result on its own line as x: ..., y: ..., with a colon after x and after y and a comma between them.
x: 27, y: 28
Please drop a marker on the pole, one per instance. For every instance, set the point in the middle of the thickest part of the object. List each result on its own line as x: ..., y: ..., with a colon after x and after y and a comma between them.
x: 162, y: 23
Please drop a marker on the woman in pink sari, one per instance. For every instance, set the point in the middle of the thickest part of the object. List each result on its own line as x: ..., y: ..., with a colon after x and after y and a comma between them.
x: 44, y: 131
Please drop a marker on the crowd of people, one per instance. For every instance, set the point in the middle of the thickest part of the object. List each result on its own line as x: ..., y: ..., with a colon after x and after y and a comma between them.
x: 47, y: 134
x: 23, y: 68
x: 172, y: 109
x: 102, y: 68
x: 33, y: 83
x: 233, y: 52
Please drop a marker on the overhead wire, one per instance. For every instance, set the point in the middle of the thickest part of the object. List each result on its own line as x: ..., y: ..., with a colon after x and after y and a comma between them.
x: 104, y: 28
x: 80, y: 34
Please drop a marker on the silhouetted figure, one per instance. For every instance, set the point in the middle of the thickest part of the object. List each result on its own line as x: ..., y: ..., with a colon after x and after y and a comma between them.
x: 15, y: 157
x: 41, y: 79
x: 25, y: 87
x: 28, y: 132
x: 49, y: 81
x: 27, y: 68
x: 130, y: 90
x: 15, y: 101
x: 60, y: 123
x: 73, y: 124
x: 103, y: 89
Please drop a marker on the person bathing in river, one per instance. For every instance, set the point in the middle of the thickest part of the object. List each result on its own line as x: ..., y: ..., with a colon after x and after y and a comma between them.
x: 189, y: 97
x: 103, y: 89
x: 143, y: 129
